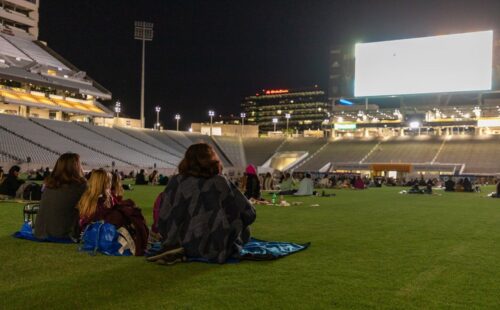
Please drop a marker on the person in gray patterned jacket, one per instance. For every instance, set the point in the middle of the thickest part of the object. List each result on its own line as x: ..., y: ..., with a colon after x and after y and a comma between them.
x: 203, y: 215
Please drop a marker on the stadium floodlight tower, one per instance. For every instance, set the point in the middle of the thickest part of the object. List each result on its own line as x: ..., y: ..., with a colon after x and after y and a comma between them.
x: 157, y: 109
x: 211, y: 113
x: 177, y: 119
x: 242, y: 115
x: 275, y: 122
x: 118, y: 108
x: 287, y: 116
x: 143, y: 32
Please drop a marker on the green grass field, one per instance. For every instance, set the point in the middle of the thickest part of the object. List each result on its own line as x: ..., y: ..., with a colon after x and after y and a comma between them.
x: 370, y: 249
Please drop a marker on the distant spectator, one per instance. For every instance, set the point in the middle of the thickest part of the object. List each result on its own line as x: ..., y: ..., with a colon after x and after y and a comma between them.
x: 46, y: 173
x: 358, y: 183
x: 252, y: 184
x: 467, y: 185
x: 306, y: 186
x: 449, y: 185
x: 11, y: 182
x: 268, y: 182
x: 57, y: 216
x: 162, y: 179
x: 286, y: 186
x: 153, y: 178
x: 116, y: 187
x: 140, y: 178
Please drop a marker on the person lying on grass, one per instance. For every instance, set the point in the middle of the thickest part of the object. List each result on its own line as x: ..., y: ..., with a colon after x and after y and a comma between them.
x: 57, y: 215
x: 99, y: 204
x: 203, y: 215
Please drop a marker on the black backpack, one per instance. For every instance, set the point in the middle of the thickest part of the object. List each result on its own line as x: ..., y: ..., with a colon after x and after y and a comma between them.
x: 32, y: 191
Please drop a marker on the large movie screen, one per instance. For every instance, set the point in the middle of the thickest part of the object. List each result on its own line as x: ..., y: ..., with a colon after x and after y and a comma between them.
x: 448, y: 63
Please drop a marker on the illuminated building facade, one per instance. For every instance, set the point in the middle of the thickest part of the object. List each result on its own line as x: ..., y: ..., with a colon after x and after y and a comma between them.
x: 307, y: 109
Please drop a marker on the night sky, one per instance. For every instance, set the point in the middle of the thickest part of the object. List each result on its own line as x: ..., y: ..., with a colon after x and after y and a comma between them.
x: 210, y: 54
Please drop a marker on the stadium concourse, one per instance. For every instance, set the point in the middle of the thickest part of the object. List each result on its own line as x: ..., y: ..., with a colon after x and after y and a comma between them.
x: 34, y: 142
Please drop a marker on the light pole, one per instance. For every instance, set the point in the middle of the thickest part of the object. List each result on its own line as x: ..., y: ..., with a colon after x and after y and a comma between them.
x: 118, y: 108
x: 158, y: 109
x: 242, y: 115
x: 275, y: 122
x: 287, y: 116
x: 143, y: 32
x: 177, y: 119
x: 211, y: 113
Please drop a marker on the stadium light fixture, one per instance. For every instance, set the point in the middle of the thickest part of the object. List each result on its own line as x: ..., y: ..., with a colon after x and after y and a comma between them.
x: 287, y: 117
x: 414, y: 124
x: 177, y: 119
x: 118, y: 108
x: 275, y: 122
x: 211, y: 113
x: 157, y: 109
x: 143, y: 31
x: 242, y: 115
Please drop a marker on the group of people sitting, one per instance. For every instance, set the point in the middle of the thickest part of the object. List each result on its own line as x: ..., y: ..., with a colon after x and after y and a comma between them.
x: 288, y: 186
x: 202, y: 215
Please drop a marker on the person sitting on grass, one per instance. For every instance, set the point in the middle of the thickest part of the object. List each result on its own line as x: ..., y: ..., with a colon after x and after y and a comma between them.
x: 116, y: 186
x: 252, y: 183
x: 286, y: 186
x: 306, y: 186
x: 99, y: 204
x: 57, y: 215
x: 358, y: 183
x: 140, y: 178
x: 11, y: 182
x: 202, y: 215
x: 449, y: 185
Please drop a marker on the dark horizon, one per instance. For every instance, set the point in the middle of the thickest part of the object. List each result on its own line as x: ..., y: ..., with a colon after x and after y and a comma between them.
x: 210, y: 55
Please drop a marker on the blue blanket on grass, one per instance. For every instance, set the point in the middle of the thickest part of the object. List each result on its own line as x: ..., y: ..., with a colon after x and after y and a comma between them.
x: 255, y: 249
x: 26, y: 233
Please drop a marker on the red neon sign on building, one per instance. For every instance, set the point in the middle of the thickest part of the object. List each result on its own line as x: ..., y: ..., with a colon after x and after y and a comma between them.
x: 276, y: 91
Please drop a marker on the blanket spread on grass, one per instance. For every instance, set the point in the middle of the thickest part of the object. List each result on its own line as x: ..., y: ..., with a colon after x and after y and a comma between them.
x: 255, y: 249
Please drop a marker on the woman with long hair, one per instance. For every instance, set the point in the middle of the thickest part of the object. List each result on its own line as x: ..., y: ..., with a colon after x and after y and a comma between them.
x: 97, y: 198
x: 99, y: 204
x: 202, y: 215
x: 57, y: 216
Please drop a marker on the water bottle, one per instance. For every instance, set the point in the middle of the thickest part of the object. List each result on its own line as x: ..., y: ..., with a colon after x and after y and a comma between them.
x: 273, y: 200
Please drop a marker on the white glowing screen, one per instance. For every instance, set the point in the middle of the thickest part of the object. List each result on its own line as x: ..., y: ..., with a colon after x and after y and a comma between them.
x: 448, y: 63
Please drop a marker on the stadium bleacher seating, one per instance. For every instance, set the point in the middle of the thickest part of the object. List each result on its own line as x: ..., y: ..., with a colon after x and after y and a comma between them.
x: 405, y: 150
x: 258, y: 150
x: 479, y: 154
x: 233, y: 148
x: 339, y: 151
x: 43, y: 140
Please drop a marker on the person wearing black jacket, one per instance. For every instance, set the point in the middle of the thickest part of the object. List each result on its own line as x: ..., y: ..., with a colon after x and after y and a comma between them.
x: 140, y: 178
x: 252, y: 188
x: 11, y: 183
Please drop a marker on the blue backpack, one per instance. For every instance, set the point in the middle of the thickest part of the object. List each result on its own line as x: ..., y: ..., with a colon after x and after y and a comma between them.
x: 102, y: 237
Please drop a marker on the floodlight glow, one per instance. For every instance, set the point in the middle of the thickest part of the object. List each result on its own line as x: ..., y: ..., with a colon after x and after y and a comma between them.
x: 448, y: 63
x: 414, y: 125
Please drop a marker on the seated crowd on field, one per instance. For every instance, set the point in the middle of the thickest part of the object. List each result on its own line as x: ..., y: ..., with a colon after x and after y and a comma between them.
x: 201, y: 213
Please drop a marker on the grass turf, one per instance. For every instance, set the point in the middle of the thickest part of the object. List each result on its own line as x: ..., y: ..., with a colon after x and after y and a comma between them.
x: 370, y: 249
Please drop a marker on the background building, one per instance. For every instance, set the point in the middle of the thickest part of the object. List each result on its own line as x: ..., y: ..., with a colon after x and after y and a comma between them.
x: 35, y: 81
x: 19, y: 17
x: 308, y: 109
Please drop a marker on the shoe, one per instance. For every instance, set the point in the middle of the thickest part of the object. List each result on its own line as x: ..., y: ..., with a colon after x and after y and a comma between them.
x: 172, y: 259
x: 164, y: 253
